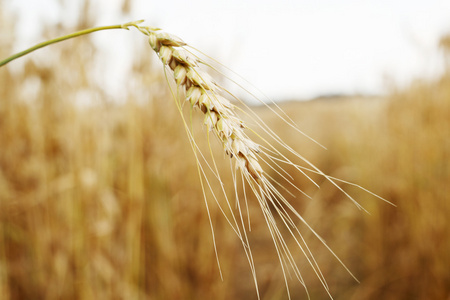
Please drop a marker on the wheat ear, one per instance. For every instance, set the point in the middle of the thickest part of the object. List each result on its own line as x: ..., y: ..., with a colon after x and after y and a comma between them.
x: 220, y: 118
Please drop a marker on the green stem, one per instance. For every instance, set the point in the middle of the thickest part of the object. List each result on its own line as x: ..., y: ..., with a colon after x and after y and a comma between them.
x: 66, y: 37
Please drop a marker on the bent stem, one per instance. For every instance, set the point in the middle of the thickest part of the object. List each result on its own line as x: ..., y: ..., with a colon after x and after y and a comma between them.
x: 66, y: 37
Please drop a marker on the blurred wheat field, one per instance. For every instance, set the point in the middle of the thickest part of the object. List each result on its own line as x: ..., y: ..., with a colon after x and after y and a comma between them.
x: 103, y: 201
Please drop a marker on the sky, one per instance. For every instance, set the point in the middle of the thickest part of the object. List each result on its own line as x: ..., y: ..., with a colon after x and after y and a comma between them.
x: 287, y: 49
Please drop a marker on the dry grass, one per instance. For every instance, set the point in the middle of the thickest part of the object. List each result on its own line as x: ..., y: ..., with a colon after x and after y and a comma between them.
x: 105, y: 201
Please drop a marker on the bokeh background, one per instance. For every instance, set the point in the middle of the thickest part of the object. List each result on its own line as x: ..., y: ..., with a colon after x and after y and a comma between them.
x: 99, y: 193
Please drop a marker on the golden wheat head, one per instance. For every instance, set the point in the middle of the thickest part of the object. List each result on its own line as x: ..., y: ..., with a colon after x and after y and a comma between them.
x: 201, y: 92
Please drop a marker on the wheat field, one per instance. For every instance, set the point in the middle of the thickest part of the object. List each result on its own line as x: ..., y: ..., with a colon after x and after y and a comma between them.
x: 103, y: 201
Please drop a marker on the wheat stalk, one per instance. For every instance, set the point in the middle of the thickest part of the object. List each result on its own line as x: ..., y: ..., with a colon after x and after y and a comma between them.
x: 203, y: 93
